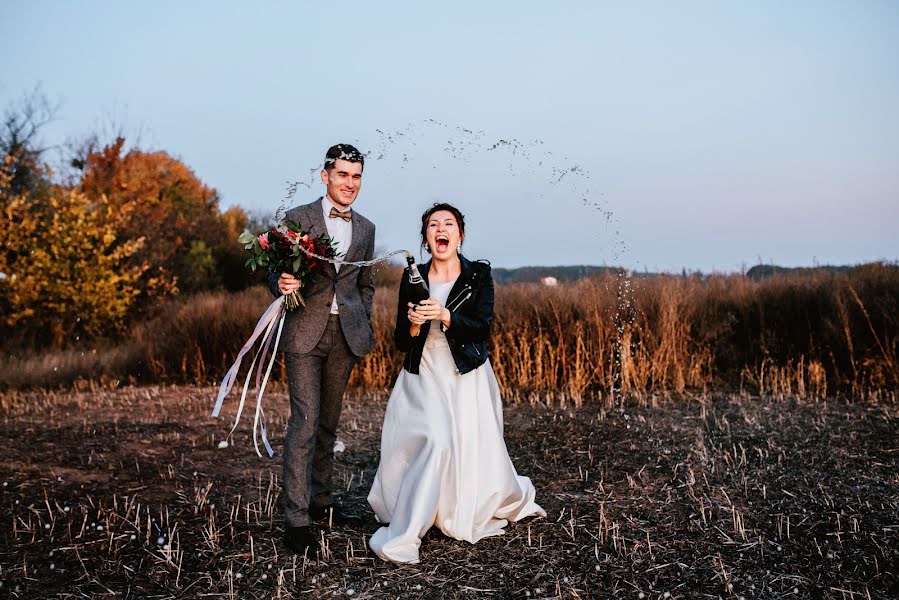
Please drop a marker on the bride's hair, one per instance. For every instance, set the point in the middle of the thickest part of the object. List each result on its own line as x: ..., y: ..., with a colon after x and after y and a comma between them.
x: 438, y: 206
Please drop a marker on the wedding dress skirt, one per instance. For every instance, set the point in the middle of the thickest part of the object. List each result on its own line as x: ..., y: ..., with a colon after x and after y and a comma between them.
x: 443, y: 459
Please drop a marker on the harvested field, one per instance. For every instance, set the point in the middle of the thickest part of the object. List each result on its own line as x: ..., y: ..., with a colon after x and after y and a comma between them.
x: 124, y: 493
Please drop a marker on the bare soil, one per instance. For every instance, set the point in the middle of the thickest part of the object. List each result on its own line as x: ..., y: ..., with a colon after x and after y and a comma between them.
x: 124, y: 493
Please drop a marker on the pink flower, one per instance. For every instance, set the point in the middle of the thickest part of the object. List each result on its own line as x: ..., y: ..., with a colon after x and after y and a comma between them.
x: 263, y: 241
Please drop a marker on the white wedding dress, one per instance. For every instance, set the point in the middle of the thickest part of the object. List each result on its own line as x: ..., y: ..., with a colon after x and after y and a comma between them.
x: 443, y: 458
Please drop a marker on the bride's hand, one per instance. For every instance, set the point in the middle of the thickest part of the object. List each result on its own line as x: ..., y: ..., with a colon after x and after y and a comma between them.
x: 414, y: 316
x: 432, y: 310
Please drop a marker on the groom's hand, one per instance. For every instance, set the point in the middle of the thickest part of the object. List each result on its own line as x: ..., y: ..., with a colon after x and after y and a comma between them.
x: 287, y: 283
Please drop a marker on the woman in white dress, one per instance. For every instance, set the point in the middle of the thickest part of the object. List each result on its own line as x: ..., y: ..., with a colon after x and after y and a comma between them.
x: 443, y: 458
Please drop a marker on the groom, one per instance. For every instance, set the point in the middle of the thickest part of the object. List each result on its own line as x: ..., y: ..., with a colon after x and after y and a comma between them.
x: 322, y: 342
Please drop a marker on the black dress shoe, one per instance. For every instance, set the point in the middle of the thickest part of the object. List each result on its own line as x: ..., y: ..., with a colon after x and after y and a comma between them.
x: 334, y: 514
x: 302, y: 541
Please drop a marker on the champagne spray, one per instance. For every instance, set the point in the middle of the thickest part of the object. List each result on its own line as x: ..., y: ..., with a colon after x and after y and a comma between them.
x: 420, y: 290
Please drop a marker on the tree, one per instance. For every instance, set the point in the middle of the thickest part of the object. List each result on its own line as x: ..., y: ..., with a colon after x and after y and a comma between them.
x: 230, y: 257
x: 65, y: 271
x: 171, y: 208
x: 83, y: 257
x: 20, y: 143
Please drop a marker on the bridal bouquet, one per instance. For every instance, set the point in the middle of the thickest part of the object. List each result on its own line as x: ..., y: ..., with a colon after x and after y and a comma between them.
x: 282, y: 249
x: 288, y: 249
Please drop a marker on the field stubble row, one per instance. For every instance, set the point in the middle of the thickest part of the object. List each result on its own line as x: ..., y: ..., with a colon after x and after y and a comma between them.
x: 124, y: 493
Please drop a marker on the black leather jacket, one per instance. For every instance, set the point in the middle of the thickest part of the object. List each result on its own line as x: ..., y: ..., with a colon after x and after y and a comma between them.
x: 471, y: 308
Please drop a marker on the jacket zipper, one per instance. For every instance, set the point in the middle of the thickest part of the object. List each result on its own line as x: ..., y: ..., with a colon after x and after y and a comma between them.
x: 465, y: 289
x: 460, y: 302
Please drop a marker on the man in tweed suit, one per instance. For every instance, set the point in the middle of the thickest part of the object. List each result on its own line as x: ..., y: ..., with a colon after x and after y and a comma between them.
x: 321, y: 343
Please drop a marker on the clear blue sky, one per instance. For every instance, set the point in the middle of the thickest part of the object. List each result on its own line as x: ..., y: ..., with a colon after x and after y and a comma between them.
x: 716, y: 133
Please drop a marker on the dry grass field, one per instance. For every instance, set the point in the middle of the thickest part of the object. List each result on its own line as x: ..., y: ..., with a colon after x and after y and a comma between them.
x: 122, y: 493
x: 809, y: 335
x: 754, y: 453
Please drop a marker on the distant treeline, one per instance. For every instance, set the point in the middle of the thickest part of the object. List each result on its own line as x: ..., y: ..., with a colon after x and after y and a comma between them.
x: 576, y: 272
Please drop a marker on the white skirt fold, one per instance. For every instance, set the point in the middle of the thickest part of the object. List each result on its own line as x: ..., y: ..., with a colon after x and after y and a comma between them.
x: 443, y: 459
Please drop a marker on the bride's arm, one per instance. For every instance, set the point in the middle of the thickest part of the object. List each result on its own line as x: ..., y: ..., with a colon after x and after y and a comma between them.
x: 475, y: 325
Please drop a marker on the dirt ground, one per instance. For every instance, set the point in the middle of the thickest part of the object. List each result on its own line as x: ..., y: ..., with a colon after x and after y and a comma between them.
x: 124, y: 493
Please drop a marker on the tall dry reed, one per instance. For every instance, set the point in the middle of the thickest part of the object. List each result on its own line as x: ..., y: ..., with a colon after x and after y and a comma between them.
x: 798, y: 334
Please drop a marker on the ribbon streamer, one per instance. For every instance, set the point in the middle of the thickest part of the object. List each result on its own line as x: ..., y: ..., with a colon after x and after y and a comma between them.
x: 275, y: 313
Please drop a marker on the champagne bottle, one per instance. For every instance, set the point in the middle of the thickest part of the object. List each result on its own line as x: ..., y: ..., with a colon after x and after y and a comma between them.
x: 418, y: 288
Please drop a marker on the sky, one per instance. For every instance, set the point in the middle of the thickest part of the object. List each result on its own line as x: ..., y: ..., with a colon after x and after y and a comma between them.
x: 653, y: 135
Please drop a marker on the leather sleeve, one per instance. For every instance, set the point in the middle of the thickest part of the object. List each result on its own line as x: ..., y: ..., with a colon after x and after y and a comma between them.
x: 474, y: 325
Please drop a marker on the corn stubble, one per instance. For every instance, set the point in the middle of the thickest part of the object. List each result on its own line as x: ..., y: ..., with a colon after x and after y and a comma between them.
x: 124, y: 493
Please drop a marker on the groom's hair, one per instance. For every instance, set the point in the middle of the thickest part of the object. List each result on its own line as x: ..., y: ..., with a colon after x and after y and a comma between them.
x: 343, y: 152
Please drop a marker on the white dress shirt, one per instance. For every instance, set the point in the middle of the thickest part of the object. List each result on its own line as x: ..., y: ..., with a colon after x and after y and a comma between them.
x: 341, y: 232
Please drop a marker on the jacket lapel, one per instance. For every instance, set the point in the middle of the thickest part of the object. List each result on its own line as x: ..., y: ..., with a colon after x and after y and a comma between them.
x: 356, y: 234
x: 463, y: 279
x: 316, y: 220
x: 423, y: 270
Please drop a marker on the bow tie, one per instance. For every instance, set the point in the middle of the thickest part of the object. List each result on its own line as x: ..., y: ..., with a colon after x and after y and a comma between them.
x: 346, y: 215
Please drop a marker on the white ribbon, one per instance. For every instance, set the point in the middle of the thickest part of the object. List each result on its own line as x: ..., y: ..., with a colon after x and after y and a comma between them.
x: 274, y: 313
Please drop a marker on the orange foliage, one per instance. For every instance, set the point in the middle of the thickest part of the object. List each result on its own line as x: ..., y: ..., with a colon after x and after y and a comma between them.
x: 169, y: 206
x: 83, y: 262
x: 66, y: 273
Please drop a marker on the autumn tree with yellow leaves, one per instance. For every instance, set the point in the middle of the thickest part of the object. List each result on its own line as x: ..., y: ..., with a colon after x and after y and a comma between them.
x: 190, y: 243
x: 66, y: 273
x: 84, y: 261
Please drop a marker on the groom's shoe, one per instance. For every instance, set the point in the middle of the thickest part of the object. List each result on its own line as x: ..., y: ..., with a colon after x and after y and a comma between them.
x: 334, y: 514
x: 302, y: 541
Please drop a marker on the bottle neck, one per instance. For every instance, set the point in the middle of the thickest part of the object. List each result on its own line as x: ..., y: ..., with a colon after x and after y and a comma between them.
x: 415, y: 277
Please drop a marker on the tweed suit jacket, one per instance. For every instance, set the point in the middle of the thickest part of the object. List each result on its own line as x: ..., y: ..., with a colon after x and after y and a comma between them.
x: 304, y: 326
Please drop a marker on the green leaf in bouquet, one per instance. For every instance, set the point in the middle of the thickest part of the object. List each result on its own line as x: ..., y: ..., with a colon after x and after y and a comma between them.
x: 297, y: 264
x: 246, y: 238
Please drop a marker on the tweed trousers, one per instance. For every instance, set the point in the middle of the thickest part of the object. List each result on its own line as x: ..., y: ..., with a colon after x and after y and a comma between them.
x: 316, y: 382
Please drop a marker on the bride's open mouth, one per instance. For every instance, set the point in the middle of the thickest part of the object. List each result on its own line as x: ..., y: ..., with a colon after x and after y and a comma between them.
x: 442, y: 243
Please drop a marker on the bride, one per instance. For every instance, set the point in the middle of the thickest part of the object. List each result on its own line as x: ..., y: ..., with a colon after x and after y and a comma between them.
x: 443, y: 458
